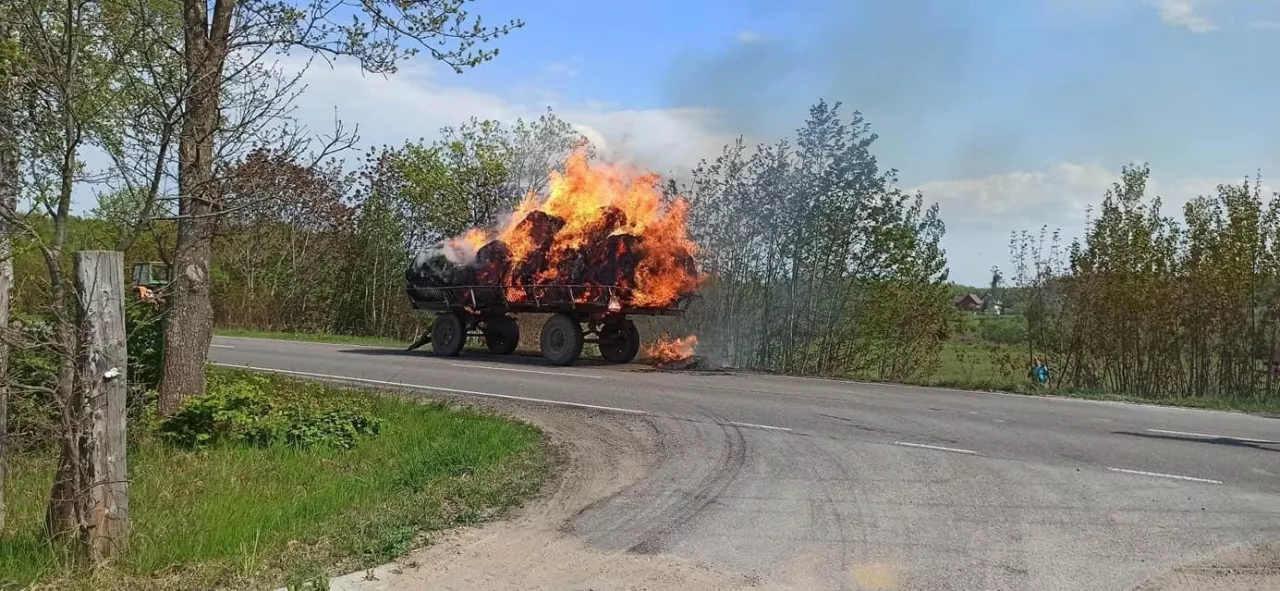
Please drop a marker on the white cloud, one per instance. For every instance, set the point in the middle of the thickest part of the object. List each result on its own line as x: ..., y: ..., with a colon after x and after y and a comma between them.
x: 415, y: 103
x: 749, y: 37
x: 981, y: 213
x: 1185, y: 14
x: 1058, y: 195
x: 566, y: 69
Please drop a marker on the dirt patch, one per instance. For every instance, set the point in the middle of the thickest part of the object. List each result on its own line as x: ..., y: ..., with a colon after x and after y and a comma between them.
x: 1241, y: 567
x: 601, y: 456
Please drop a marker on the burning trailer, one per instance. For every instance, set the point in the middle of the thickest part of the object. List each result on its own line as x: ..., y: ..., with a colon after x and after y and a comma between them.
x: 601, y: 246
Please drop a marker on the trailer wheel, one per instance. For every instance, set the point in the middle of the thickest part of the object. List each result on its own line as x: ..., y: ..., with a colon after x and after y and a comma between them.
x: 561, y: 339
x: 448, y: 335
x: 619, y: 341
x: 501, y: 335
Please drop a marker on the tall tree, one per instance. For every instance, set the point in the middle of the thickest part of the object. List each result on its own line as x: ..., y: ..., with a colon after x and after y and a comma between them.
x: 840, y: 271
x: 9, y: 187
x: 72, y: 53
x: 375, y: 37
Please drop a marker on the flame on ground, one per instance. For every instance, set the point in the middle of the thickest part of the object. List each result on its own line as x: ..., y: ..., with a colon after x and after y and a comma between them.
x: 668, y: 350
x: 599, y: 224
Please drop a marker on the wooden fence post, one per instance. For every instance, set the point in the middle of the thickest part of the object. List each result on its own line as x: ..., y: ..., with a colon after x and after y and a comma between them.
x: 101, y: 370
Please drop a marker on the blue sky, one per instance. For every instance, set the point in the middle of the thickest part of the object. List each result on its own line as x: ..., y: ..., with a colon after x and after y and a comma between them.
x: 1011, y: 114
x: 954, y: 88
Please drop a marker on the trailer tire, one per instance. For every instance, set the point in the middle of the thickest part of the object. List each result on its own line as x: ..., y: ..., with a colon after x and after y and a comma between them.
x: 619, y: 341
x: 561, y: 339
x: 448, y: 335
x: 501, y: 335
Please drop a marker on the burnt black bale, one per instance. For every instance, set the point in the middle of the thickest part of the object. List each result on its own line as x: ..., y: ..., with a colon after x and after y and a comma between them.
x: 528, y: 271
x: 541, y: 228
x: 613, y: 261
x: 493, y: 263
x: 573, y: 268
x: 577, y: 267
x: 431, y: 268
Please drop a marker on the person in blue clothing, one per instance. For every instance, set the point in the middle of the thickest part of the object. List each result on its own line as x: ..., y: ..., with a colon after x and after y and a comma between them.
x: 1039, y: 371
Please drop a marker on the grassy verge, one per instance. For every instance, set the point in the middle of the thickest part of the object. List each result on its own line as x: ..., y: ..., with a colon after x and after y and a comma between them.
x: 235, y: 516
x: 969, y: 366
x: 529, y: 331
x: 311, y: 337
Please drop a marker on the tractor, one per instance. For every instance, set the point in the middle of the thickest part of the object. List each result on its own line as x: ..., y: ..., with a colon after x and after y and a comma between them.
x: 148, y: 278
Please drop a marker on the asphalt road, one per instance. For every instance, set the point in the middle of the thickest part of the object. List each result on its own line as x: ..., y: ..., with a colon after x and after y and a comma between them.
x: 842, y: 485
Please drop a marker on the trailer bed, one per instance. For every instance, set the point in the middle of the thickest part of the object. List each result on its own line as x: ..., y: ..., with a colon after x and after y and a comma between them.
x: 582, y: 299
x: 579, y: 314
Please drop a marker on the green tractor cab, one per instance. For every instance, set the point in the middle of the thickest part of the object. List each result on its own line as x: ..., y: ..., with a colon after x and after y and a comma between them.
x: 149, y: 278
x: 153, y: 275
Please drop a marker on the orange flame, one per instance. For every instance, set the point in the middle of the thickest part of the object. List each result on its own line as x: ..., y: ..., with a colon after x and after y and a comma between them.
x: 670, y: 350
x: 595, y: 203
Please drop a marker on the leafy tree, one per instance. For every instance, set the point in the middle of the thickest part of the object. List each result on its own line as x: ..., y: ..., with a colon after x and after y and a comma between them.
x: 839, y: 272
x: 373, y: 36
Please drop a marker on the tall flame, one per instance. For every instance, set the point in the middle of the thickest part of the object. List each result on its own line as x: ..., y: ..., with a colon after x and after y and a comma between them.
x: 599, y: 224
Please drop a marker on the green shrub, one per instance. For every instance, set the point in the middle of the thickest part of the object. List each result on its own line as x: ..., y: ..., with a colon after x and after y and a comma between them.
x: 1003, y: 330
x: 32, y: 376
x: 247, y: 409
x: 144, y: 327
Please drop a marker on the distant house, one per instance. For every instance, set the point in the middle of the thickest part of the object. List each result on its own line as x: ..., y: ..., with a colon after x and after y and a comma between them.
x: 968, y: 303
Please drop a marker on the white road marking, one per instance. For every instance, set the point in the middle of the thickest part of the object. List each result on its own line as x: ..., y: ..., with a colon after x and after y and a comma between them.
x: 434, y: 388
x: 222, y: 346
x: 1211, y: 436
x: 1160, y: 475
x: 937, y: 447
x: 754, y: 425
x: 549, y: 373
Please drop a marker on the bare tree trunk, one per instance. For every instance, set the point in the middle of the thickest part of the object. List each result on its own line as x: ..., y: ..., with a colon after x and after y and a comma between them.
x: 8, y: 206
x: 188, y: 328
x: 102, y: 503
x: 60, y: 517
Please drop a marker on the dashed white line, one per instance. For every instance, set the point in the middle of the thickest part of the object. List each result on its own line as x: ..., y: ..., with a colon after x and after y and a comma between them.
x: 937, y: 447
x: 222, y: 346
x: 756, y: 426
x: 1211, y: 436
x: 548, y: 373
x: 1161, y: 475
x: 433, y: 388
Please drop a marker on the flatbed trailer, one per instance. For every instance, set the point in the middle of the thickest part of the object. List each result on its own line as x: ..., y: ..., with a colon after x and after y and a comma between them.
x: 580, y: 314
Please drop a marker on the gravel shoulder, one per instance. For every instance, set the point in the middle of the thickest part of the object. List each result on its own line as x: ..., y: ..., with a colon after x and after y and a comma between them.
x: 600, y: 456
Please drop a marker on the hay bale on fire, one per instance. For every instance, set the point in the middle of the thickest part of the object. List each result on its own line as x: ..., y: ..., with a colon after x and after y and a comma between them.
x: 600, y: 246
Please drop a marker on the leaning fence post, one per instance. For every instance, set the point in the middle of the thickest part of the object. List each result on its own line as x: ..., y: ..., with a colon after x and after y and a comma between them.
x: 101, y: 369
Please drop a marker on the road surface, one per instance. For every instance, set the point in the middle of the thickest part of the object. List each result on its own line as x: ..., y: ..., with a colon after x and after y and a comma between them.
x: 820, y: 484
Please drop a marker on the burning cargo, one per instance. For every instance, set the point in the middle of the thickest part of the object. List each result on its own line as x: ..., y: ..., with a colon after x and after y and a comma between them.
x: 601, y: 245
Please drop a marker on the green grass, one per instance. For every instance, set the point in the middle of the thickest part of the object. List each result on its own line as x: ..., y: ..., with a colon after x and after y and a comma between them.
x: 237, y: 516
x: 311, y: 337
x: 970, y: 366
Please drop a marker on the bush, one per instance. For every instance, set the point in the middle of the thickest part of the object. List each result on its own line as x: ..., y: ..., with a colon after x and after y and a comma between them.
x: 1003, y: 330
x: 261, y: 411
x: 32, y: 376
x: 144, y: 327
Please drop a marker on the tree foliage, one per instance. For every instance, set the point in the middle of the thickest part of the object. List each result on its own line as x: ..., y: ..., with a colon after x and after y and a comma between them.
x: 1153, y: 306
x: 820, y: 264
